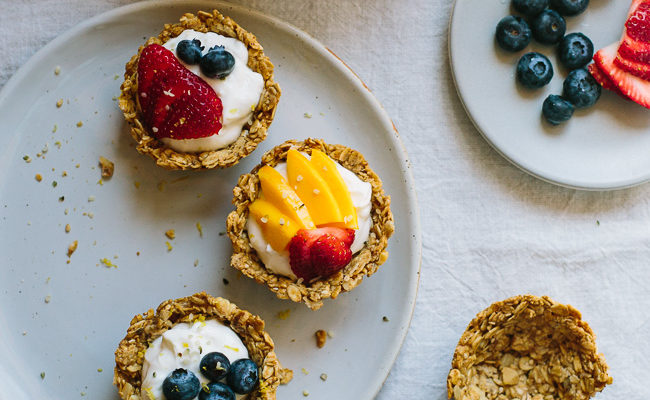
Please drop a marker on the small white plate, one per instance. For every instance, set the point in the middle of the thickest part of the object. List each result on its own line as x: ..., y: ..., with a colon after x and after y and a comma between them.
x: 601, y: 148
x: 89, y: 305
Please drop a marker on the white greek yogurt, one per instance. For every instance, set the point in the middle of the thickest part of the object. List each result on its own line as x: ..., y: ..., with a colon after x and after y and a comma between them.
x: 278, y: 262
x: 239, y: 92
x: 183, y: 346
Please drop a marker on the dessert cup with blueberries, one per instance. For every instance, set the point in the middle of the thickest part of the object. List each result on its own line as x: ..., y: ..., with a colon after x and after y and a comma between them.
x: 197, y: 347
x: 310, y: 221
x: 200, y: 95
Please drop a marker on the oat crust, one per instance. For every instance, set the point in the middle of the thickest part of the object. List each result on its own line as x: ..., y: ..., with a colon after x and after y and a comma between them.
x: 252, y: 134
x: 527, y: 348
x: 145, y: 328
x: 364, y: 263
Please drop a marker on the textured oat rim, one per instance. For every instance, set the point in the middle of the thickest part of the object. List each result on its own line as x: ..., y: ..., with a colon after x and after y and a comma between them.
x: 145, y: 328
x: 506, y: 312
x: 252, y: 134
x: 364, y: 263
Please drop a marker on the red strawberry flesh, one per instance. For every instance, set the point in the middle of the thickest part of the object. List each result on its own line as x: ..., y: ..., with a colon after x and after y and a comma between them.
x: 175, y: 102
x: 633, y: 87
x: 640, y: 69
x: 603, y: 79
x: 320, y: 252
x: 637, y: 25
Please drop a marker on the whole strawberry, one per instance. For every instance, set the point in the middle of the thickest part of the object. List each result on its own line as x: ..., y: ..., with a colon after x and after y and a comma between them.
x: 175, y: 102
x: 320, y: 252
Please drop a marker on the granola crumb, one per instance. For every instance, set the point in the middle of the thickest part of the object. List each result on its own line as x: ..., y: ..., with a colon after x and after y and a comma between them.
x: 67, y: 228
x: 170, y: 234
x: 321, y: 338
x: 384, y: 318
x: 161, y: 186
x: 47, y: 299
x: 330, y: 334
x: 108, y: 263
x: 64, y: 174
x: 100, y: 182
x: 196, y: 262
x: 72, y: 247
x: 107, y: 166
x: 323, y: 377
x: 284, y: 314
x: 59, y: 103
x: 80, y: 124
x: 305, y: 393
x: 199, y: 228
x: 222, y: 233
x: 57, y: 70
x: 38, y: 177
x: 169, y: 246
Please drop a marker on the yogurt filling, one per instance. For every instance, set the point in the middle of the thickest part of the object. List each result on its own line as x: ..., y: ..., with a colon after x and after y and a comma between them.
x: 278, y: 262
x: 183, y: 346
x: 239, y: 92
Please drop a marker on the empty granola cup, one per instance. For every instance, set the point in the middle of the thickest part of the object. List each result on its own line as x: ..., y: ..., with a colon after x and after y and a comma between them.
x: 527, y: 347
x: 192, y: 314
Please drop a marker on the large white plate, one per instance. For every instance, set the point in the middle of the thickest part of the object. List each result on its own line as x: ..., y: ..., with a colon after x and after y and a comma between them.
x: 605, y: 147
x: 90, y: 306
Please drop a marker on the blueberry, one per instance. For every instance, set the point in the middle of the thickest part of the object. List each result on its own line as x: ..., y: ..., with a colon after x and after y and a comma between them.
x: 217, y: 63
x: 569, y: 7
x: 557, y: 110
x: 581, y: 89
x: 242, y: 377
x: 189, y: 51
x: 181, y: 384
x: 530, y: 8
x: 534, y: 70
x: 548, y: 27
x: 216, y: 391
x: 214, y: 366
x: 575, y: 50
x: 513, y: 33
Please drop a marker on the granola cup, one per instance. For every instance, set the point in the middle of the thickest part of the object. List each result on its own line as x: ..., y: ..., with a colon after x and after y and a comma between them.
x: 144, y: 328
x: 363, y: 263
x: 528, y: 348
x: 252, y: 134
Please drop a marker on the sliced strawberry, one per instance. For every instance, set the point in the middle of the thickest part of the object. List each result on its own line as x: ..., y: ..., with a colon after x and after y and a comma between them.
x: 635, y: 88
x: 634, y: 50
x: 332, y: 246
x: 637, y: 25
x: 603, y: 79
x: 634, y: 44
x: 329, y: 255
x: 175, y: 102
x: 640, y: 69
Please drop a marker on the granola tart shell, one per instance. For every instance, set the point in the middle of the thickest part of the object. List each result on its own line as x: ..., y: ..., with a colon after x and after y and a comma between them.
x: 364, y: 263
x: 252, y: 134
x: 144, y: 328
x: 528, y: 348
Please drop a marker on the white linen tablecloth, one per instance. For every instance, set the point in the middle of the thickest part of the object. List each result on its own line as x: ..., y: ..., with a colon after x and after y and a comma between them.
x: 489, y: 230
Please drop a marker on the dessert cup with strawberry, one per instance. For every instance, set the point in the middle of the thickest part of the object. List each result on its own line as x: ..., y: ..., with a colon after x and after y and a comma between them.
x: 197, y: 344
x: 200, y: 95
x: 310, y: 221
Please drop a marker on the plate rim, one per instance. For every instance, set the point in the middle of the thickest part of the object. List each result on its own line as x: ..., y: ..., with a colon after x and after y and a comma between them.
x: 565, y: 184
x: 391, y: 131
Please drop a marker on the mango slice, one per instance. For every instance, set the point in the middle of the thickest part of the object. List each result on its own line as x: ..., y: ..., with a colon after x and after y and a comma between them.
x: 326, y: 167
x: 277, y: 228
x: 276, y: 190
x: 312, y: 189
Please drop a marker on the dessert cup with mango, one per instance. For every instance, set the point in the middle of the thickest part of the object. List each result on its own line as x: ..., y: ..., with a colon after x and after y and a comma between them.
x: 197, y: 344
x: 310, y: 221
x: 200, y: 95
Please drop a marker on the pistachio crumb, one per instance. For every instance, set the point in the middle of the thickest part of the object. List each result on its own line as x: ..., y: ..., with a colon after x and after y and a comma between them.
x: 27, y: 158
x: 54, y: 183
x: 57, y: 70
x: 199, y: 228
x: 59, y: 103
x: 196, y: 262
x: 169, y: 246
x: 323, y: 377
x: 91, y: 199
x: 48, y: 298
x: 55, y: 128
x: 307, y: 115
x: 99, y: 370
x: 42, y: 375
x: 305, y: 372
x: 305, y: 393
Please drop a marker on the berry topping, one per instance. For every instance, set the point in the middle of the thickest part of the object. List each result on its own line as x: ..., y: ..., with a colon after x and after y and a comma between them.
x: 216, y: 391
x: 242, y: 377
x: 548, y: 27
x: 320, y: 252
x: 575, y: 50
x: 189, y: 51
x: 569, y: 7
x: 175, y: 102
x: 513, y: 33
x: 214, y: 366
x: 181, y: 384
x: 534, y: 70
x: 530, y: 8
x: 557, y: 110
x: 217, y: 63
x: 581, y: 89
x: 633, y: 87
x: 637, y: 25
